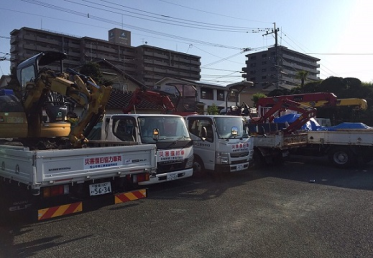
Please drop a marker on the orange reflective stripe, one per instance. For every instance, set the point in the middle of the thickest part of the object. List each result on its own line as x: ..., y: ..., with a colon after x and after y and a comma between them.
x: 130, y: 196
x: 62, y: 210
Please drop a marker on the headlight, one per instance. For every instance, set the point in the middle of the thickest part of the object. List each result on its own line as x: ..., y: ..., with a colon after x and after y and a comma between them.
x: 222, y: 158
x: 189, y: 162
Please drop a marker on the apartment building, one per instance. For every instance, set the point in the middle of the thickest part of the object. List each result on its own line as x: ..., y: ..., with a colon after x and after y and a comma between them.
x: 145, y: 63
x: 267, y: 73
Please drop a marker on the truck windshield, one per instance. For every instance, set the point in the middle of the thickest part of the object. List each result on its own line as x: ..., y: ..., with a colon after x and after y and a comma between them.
x: 170, y: 128
x: 227, y: 127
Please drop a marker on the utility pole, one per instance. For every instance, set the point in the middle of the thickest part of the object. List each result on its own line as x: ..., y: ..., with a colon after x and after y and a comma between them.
x: 275, y: 30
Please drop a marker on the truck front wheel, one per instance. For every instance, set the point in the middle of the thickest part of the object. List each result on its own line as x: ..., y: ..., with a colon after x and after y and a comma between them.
x: 198, y: 167
x: 342, y: 157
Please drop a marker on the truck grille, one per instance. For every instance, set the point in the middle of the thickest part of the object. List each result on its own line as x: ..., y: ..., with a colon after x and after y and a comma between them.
x: 240, y: 154
x: 165, y: 167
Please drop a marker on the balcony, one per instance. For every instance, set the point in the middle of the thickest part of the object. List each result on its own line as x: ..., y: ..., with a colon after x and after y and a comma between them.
x: 99, y: 48
x: 195, y: 77
x: 160, y: 56
x: 73, y: 53
x: 148, y: 53
x: 160, y: 70
x: 148, y: 68
x: 160, y: 63
x: 14, y: 48
x: 195, y: 69
x: 28, y: 37
x: 48, y: 41
x: 14, y: 39
x: 185, y: 75
x: 195, y: 62
x: 297, y: 67
x: 299, y: 60
x: 47, y: 48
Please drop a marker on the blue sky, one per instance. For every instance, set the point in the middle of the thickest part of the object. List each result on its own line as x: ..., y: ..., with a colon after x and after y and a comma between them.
x: 337, y: 32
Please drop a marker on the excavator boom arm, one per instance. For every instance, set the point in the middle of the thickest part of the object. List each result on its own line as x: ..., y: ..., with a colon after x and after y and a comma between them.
x: 151, y: 96
x: 82, y: 90
x: 306, y: 112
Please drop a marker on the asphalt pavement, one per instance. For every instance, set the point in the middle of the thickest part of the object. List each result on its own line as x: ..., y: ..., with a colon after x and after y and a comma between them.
x: 303, y: 208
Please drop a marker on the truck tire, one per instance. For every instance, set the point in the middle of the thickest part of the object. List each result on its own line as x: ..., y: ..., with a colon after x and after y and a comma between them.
x: 278, y: 159
x: 342, y: 157
x: 258, y: 159
x: 198, y: 167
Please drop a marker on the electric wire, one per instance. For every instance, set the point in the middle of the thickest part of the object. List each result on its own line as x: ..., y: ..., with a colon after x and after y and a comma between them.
x: 168, y: 18
x: 128, y: 25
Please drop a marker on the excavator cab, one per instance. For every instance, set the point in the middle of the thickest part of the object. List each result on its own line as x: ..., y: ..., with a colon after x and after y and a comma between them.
x: 50, y: 110
x: 46, y: 98
x: 13, y: 115
x: 28, y: 70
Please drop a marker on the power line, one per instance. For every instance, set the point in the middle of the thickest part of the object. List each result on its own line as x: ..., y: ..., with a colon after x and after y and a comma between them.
x: 226, y: 58
x: 324, y: 68
x: 167, y: 19
x: 217, y: 69
x: 128, y: 25
x: 222, y: 15
x: 341, y: 54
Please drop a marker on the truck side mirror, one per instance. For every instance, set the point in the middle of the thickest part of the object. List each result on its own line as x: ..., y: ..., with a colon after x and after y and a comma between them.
x: 204, y: 133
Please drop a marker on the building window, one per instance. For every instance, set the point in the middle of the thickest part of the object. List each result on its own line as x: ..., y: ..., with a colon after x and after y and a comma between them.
x: 232, y: 96
x: 220, y: 95
x: 207, y: 93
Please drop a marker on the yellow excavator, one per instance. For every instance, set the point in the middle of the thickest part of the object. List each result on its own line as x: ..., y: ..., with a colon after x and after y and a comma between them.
x: 40, y: 116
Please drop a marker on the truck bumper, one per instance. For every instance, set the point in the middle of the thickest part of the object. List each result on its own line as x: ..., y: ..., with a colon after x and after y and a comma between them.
x: 232, y: 167
x: 170, y: 176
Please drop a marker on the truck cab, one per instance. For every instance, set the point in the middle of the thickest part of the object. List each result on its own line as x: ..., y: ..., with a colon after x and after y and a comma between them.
x: 221, y: 143
x: 168, y: 132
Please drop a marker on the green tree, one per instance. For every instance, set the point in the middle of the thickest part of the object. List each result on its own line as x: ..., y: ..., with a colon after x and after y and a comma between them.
x: 336, y: 85
x: 92, y: 70
x: 312, y: 87
x: 302, y: 75
x: 213, y: 109
x: 257, y: 96
x: 279, y: 92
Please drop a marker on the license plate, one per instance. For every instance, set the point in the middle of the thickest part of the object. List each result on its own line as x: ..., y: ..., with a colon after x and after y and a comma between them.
x: 240, y: 167
x: 99, y: 189
x: 171, y: 177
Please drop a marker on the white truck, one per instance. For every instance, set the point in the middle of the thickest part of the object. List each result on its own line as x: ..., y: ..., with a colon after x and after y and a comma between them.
x: 221, y: 143
x: 273, y: 139
x: 270, y: 149
x: 168, y: 132
x: 344, y: 147
x: 47, y: 164
x: 47, y: 181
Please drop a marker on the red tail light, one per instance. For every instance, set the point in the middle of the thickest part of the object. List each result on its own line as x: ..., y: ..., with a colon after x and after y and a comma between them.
x: 142, y: 177
x: 55, y: 190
